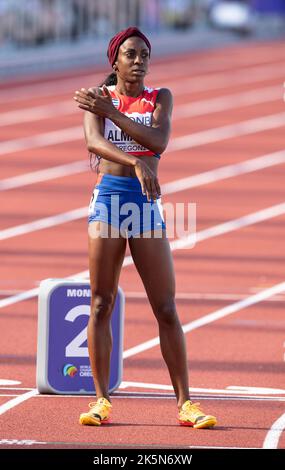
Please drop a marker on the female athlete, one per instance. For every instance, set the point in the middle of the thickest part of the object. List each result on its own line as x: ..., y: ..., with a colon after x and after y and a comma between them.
x: 127, y: 125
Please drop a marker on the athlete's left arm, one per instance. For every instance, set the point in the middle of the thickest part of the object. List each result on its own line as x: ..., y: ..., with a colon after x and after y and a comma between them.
x: 154, y: 137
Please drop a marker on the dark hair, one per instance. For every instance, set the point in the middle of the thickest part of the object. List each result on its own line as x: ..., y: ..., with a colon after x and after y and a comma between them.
x: 111, y: 79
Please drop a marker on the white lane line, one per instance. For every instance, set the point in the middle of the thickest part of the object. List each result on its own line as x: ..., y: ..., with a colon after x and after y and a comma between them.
x: 9, y: 382
x: 75, y: 214
x: 21, y: 442
x: 218, y: 81
x: 188, y: 241
x: 16, y: 388
x: 178, y: 143
x: 8, y: 395
x: 200, y: 179
x: 251, y: 126
x: 29, y: 294
x: 233, y: 101
x: 179, y: 296
x: 165, y: 396
x: 219, y: 229
x: 36, y: 113
x: 43, y: 223
x: 257, y: 390
x: 44, y: 175
x: 229, y: 226
x: 273, y: 436
x: 224, y: 172
x: 47, y: 88
x: 87, y: 445
x: 211, y: 317
x: 168, y: 188
x: 45, y: 139
x: 17, y: 401
x: 226, y: 391
x: 201, y: 296
x: 196, y: 108
x: 205, y: 137
x: 252, y: 70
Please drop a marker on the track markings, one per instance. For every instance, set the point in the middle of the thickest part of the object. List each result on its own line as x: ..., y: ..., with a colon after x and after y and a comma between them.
x: 17, y: 401
x: 230, y: 390
x: 5, y: 382
x: 215, y: 73
x: 72, y: 134
x: 22, y: 442
x: 191, y: 109
x: 273, y: 436
x: 211, y: 317
x: 226, y: 227
x: 224, y: 172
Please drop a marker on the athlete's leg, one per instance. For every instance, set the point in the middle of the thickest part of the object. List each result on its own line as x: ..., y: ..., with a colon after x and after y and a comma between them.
x: 153, y: 260
x: 106, y: 256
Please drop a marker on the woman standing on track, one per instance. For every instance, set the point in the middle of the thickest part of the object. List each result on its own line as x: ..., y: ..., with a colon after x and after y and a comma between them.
x: 128, y: 126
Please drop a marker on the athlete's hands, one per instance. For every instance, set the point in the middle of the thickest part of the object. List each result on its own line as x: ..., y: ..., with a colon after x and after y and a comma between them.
x: 149, y: 182
x: 95, y: 100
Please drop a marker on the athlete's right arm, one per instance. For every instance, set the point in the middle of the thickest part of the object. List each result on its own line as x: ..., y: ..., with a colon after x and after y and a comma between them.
x: 97, y: 144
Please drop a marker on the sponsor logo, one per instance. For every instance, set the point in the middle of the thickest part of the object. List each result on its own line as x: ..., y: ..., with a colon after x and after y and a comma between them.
x: 69, y: 370
x: 78, y: 293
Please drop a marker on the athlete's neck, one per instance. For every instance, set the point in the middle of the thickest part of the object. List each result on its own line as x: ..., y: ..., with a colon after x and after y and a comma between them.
x: 130, y: 89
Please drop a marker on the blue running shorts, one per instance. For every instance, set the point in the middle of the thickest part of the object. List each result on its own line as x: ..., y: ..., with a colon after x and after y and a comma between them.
x: 119, y: 202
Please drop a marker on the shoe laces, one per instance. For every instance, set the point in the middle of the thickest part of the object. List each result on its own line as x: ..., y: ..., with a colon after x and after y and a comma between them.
x: 97, y: 405
x: 193, y: 408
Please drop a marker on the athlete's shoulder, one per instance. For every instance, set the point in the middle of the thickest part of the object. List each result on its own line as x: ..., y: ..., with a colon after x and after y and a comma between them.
x: 165, y: 93
x: 164, y: 99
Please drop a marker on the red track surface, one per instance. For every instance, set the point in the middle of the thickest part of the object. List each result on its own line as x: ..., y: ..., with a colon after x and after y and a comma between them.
x: 244, y: 349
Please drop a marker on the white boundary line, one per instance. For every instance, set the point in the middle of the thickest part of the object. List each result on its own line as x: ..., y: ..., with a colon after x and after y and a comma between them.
x: 224, y: 172
x: 189, y: 327
x: 44, y: 223
x: 211, y: 317
x: 217, y: 81
x: 196, y: 108
x: 39, y: 176
x: 226, y: 227
x: 165, y: 396
x: 221, y: 313
x: 211, y: 176
x: 16, y: 401
x: 251, y: 126
x: 272, y: 437
x: 230, y: 390
x: 204, y: 77
x: 199, y: 296
x: 216, y: 134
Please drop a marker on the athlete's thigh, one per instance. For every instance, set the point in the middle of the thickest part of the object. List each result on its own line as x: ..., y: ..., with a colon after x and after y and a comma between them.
x: 106, y: 256
x: 153, y: 260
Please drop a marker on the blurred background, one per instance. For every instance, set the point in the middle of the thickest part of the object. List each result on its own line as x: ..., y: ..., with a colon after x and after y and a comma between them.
x: 39, y: 35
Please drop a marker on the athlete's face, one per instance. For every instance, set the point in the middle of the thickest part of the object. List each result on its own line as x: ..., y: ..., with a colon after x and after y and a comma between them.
x: 132, y: 61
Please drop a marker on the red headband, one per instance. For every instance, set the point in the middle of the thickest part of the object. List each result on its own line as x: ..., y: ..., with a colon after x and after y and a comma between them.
x: 117, y: 40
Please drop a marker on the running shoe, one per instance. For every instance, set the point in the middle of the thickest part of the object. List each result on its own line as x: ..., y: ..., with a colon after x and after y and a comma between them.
x: 98, y: 414
x: 191, y: 415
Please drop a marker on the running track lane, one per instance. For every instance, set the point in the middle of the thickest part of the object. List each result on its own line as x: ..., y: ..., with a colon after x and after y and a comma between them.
x: 244, y: 349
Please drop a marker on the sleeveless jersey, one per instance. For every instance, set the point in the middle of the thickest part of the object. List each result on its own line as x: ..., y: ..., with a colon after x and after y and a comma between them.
x: 138, y: 109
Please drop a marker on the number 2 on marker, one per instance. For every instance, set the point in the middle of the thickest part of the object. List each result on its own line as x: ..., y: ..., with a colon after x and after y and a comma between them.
x: 75, y: 348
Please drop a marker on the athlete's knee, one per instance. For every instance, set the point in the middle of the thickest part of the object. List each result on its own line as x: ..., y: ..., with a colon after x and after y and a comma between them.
x: 101, y: 305
x: 165, y: 312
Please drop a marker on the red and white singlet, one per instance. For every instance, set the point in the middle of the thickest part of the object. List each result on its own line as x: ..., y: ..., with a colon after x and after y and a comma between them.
x: 138, y: 109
